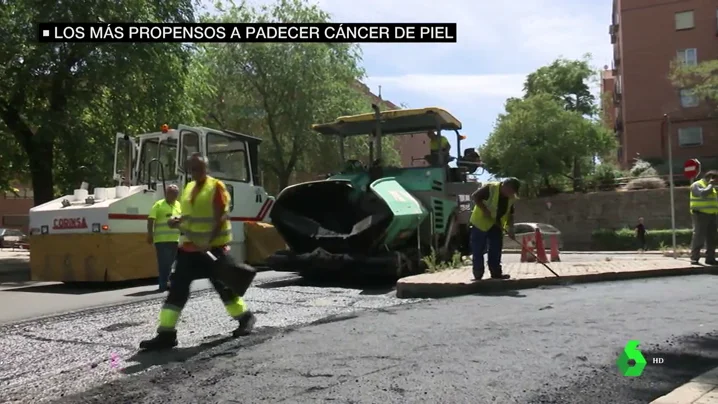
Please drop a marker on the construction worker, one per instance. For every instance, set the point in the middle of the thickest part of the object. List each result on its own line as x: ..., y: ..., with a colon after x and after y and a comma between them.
x: 206, y: 234
x: 164, y: 238
x: 438, y: 145
x: 704, y: 207
x: 492, y: 215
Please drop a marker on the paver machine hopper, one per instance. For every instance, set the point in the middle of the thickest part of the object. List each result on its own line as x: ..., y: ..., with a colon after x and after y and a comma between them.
x: 372, y: 218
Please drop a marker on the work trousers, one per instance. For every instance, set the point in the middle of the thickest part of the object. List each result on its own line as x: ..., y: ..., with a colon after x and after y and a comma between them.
x: 198, y: 265
x: 166, y: 255
x: 704, y: 233
x: 480, y: 240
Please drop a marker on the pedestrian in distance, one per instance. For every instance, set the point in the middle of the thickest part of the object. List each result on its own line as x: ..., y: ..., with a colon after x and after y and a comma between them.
x: 164, y: 238
x: 493, y: 214
x: 641, y: 235
x: 206, y: 233
x: 704, y: 208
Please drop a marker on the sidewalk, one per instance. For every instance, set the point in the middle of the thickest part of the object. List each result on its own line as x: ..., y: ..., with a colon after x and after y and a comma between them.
x: 530, y: 275
x: 701, y: 390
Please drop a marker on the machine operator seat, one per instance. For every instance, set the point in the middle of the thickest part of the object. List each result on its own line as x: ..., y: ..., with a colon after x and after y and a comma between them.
x: 471, y: 160
x: 376, y: 171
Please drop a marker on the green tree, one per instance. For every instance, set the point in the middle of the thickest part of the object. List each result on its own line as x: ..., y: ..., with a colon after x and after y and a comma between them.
x: 538, y: 140
x: 567, y: 81
x: 702, y: 78
x: 277, y: 91
x: 62, y: 103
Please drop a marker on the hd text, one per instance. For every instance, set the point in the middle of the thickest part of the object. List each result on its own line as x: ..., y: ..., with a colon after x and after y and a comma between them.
x: 300, y: 32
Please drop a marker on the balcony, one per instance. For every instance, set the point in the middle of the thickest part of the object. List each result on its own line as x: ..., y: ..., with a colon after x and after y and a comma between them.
x: 613, y: 32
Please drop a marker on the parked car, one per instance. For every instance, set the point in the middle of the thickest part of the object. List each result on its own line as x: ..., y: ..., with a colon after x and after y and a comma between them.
x: 524, y: 229
x: 10, y: 238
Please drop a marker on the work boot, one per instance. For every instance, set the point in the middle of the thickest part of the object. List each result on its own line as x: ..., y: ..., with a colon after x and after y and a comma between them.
x: 246, y: 324
x: 501, y: 276
x: 163, y: 340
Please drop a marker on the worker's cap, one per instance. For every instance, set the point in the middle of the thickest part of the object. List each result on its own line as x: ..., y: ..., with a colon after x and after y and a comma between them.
x: 512, y: 182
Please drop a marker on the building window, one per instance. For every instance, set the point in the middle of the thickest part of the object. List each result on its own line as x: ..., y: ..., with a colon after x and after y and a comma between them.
x: 688, y: 56
x: 688, y: 99
x: 684, y: 20
x: 690, y: 137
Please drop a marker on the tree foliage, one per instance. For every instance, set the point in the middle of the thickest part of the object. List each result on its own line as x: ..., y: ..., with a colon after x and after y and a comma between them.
x: 280, y: 90
x: 567, y: 81
x: 702, y: 78
x: 550, y: 135
x: 536, y: 139
x: 61, y: 104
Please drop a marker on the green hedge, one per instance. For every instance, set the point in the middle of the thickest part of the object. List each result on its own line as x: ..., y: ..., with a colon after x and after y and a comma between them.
x: 625, y: 239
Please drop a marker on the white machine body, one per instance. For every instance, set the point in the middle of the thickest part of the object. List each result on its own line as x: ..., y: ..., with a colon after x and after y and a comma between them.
x: 144, y: 166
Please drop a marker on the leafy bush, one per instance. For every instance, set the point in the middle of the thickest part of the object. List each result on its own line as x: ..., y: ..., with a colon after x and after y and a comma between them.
x: 625, y: 239
x: 645, y: 183
x: 604, y: 177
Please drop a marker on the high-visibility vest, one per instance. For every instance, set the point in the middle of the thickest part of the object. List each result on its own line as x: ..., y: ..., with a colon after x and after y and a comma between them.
x: 705, y: 204
x: 439, y: 143
x: 198, y: 216
x: 163, y: 211
x: 483, y: 222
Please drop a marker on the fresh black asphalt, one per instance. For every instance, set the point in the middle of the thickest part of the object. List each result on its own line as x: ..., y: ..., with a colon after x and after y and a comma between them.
x: 552, y: 345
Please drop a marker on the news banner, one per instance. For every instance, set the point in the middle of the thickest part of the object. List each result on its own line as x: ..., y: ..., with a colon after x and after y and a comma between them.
x: 204, y: 32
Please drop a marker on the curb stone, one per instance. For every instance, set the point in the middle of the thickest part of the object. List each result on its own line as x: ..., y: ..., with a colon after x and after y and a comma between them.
x: 696, y: 391
x: 408, y: 290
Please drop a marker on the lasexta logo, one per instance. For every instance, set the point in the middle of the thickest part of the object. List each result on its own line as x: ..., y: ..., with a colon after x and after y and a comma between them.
x: 631, y: 361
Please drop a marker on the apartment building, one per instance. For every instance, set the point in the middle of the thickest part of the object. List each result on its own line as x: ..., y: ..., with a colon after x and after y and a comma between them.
x: 647, y: 35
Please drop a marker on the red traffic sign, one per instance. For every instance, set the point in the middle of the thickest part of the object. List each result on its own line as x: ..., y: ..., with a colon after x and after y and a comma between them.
x: 691, y: 168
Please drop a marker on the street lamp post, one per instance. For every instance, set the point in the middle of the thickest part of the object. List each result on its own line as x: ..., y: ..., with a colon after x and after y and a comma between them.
x: 670, y: 183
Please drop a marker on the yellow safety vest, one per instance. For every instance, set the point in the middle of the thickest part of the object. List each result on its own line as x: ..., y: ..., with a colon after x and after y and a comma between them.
x: 436, y: 146
x: 707, y: 204
x: 483, y: 222
x: 162, y: 212
x: 198, y: 217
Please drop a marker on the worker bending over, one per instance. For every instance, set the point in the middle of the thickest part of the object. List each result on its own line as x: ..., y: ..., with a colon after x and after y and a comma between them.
x: 161, y: 235
x: 492, y: 215
x: 438, y: 146
x: 205, y: 227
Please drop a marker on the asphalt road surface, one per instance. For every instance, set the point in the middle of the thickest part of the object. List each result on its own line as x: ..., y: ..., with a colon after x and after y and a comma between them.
x: 38, y: 299
x: 26, y: 300
x: 50, y: 357
x: 551, y: 345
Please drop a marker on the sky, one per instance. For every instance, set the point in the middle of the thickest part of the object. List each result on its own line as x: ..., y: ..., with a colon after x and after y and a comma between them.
x: 498, y: 44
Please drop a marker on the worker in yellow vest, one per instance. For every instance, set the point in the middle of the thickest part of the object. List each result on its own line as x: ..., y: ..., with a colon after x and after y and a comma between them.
x: 438, y: 146
x: 493, y: 214
x: 162, y: 236
x: 204, y: 248
x: 704, y: 208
